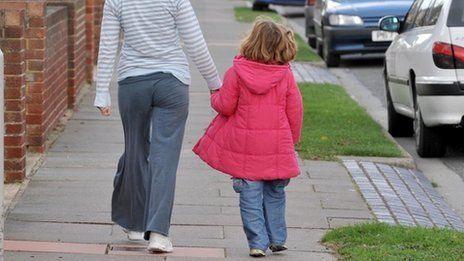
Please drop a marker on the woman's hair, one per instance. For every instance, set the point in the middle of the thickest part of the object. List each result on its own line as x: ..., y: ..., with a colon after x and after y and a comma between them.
x: 269, y: 42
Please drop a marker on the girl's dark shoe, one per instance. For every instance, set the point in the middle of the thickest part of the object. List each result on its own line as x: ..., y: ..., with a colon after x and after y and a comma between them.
x: 257, y: 253
x: 278, y: 248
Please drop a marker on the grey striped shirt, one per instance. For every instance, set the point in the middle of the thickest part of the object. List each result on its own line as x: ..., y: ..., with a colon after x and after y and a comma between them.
x: 152, y: 31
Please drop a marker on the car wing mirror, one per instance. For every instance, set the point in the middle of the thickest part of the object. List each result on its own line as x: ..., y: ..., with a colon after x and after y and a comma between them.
x: 390, y: 24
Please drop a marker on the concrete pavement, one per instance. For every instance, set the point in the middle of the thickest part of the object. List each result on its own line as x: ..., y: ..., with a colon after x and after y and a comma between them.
x: 64, y: 214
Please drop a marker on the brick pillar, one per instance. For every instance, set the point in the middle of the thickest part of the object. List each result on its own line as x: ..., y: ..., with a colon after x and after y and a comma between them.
x: 48, y: 77
x: 35, y: 76
x: 12, y: 43
x: 78, y: 72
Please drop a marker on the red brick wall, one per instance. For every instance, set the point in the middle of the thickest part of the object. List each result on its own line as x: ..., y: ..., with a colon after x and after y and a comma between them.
x: 90, y: 38
x: 55, y: 95
x: 35, y: 76
x: 77, y: 66
x: 98, y: 10
x: 47, y: 95
x: 12, y: 43
x: 47, y: 62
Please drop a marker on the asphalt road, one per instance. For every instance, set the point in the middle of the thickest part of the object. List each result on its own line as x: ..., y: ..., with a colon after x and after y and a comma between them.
x: 368, y: 70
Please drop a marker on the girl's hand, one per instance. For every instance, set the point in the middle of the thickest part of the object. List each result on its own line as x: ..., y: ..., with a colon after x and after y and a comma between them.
x: 105, y: 111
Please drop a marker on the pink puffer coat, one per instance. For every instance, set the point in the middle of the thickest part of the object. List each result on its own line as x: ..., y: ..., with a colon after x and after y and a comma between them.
x: 260, y: 117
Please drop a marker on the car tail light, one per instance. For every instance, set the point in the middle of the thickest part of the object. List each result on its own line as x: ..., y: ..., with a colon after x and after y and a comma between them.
x: 311, y: 2
x: 448, y: 56
x: 458, y: 56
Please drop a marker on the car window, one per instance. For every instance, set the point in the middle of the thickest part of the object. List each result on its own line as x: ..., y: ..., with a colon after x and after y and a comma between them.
x: 456, y: 15
x: 434, y: 12
x: 422, y: 13
x: 411, y: 16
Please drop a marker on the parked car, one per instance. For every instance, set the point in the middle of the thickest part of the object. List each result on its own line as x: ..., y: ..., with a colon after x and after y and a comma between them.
x: 309, y: 11
x: 351, y: 26
x: 424, y: 73
x: 264, y: 4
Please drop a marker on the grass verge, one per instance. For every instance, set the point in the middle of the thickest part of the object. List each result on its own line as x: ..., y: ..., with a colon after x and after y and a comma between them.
x: 246, y: 15
x: 304, y: 53
x: 334, y: 124
x: 376, y: 241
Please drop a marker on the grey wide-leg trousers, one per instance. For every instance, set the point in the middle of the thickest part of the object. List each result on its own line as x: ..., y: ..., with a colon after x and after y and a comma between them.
x: 153, y: 110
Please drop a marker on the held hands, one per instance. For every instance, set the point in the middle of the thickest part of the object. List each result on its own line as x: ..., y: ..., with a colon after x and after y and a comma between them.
x: 105, y: 111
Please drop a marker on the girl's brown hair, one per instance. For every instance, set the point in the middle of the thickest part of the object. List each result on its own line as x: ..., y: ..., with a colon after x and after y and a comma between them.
x: 269, y: 42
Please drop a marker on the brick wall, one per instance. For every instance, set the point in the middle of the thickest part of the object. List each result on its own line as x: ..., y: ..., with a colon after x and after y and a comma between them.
x: 56, y: 67
x: 50, y: 50
x: 90, y: 38
x: 47, y: 97
x: 12, y: 43
x: 77, y: 65
x: 98, y: 11
x: 35, y: 76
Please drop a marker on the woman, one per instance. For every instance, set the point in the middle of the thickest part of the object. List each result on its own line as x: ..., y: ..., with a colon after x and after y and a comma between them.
x: 153, y: 79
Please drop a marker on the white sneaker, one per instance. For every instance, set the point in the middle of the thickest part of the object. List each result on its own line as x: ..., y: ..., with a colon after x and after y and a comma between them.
x: 134, y: 235
x: 159, y: 244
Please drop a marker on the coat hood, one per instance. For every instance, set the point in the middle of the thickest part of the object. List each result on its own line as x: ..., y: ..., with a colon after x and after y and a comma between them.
x: 259, y: 78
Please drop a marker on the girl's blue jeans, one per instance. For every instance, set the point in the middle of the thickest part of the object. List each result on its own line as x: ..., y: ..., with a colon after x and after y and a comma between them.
x: 262, y: 207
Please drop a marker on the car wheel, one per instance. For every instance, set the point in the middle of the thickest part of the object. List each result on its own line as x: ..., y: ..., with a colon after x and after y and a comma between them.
x: 330, y: 58
x: 312, y: 41
x: 257, y: 6
x: 398, y: 124
x: 319, y: 48
x: 429, y: 141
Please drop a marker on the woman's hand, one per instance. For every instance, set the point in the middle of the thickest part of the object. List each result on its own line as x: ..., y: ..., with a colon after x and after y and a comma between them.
x: 105, y: 111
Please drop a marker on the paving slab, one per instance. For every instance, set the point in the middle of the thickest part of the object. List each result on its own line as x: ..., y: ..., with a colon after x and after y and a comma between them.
x: 57, y: 232
x: 35, y: 256
x: 298, y: 239
x: 239, y: 255
x: 336, y: 222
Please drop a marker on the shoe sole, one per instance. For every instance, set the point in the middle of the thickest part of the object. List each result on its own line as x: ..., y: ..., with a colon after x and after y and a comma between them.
x: 158, y: 250
x: 278, y: 249
x: 257, y: 255
x: 135, y: 239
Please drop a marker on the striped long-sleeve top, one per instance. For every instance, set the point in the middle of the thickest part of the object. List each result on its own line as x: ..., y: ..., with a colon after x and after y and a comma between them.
x: 152, y: 30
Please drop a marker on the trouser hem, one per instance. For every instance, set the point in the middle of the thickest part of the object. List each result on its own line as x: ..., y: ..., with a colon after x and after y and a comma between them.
x: 147, y: 233
x: 259, y: 247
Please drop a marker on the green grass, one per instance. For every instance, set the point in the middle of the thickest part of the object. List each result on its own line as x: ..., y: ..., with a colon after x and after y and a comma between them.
x: 304, y: 54
x: 334, y: 125
x: 375, y: 241
x: 246, y: 15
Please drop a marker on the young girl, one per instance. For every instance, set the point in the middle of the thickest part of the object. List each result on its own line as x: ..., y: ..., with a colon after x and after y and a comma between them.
x: 253, y: 137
